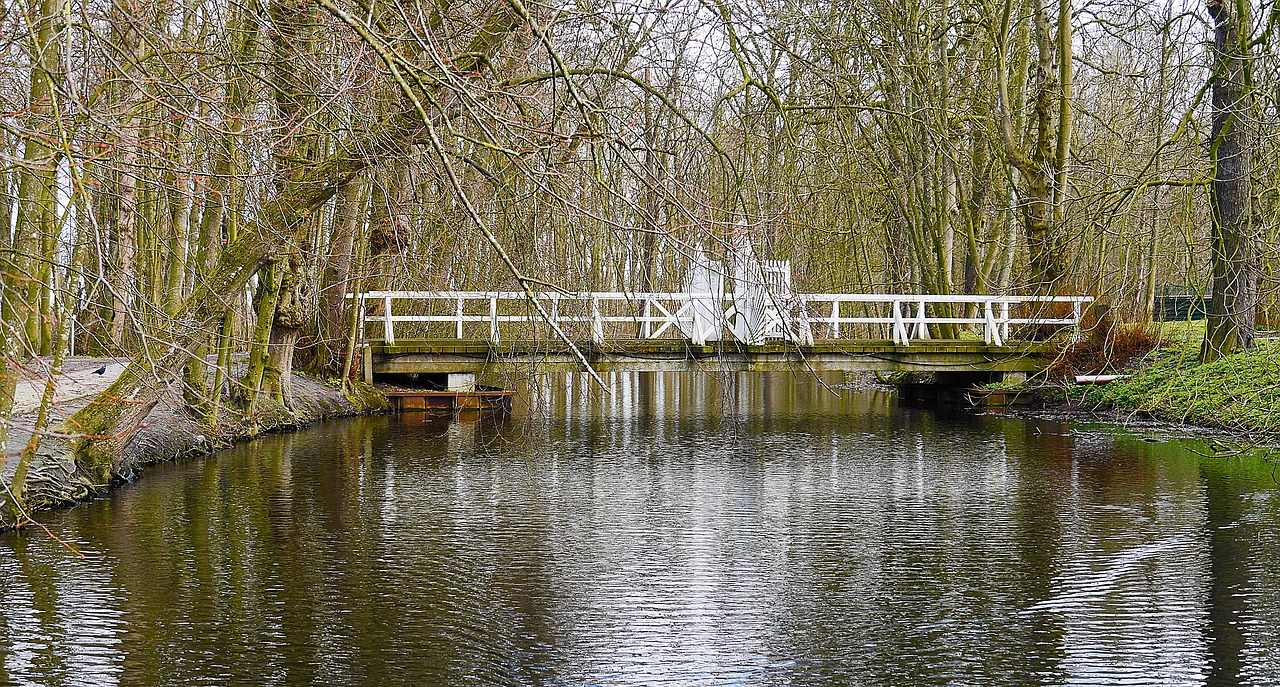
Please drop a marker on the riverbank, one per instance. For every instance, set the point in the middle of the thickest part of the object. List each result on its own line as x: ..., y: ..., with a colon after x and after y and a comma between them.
x: 168, y: 432
x: 1238, y: 395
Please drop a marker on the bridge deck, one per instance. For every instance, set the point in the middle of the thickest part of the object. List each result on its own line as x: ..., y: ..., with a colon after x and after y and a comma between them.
x: 485, y: 357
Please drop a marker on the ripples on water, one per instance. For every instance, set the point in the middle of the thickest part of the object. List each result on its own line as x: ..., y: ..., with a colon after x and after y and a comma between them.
x: 686, y: 531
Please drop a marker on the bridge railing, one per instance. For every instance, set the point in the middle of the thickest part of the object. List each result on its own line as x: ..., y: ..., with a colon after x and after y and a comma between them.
x: 697, y: 317
x: 908, y: 316
x: 499, y: 315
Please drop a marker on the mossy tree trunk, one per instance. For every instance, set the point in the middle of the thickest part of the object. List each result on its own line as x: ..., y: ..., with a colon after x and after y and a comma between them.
x: 1041, y: 162
x: 286, y: 324
x: 281, y: 311
x: 223, y: 208
x: 268, y: 293
x: 1234, y: 253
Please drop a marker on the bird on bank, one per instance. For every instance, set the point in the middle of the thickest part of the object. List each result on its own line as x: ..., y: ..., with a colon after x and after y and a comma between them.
x: 101, y: 371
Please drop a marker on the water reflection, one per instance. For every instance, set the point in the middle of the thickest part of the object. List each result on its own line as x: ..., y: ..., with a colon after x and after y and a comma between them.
x: 750, y: 529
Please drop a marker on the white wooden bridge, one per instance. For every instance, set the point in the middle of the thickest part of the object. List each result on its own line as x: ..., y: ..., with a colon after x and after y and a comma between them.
x: 770, y: 328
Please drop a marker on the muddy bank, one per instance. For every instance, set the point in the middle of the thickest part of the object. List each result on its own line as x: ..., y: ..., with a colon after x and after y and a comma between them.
x: 167, y: 433
x: 1235, y: 398
x: 1054, y: 409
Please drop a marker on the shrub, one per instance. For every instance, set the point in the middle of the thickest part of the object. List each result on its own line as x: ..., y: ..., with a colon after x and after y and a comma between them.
x: 1107, y: 347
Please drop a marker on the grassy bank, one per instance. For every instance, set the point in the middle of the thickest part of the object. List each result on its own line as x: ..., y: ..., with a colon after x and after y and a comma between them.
x: 1239, y: 393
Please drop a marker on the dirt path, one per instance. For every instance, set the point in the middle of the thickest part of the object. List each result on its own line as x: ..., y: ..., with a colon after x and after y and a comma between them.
x: 76, y: 383
x: 75, y: 386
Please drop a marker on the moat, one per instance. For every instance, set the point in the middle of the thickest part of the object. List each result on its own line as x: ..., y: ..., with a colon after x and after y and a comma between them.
x: 686, y: 530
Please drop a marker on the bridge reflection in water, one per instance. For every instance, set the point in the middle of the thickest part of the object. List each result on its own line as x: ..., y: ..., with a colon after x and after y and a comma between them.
x: 701, y: 530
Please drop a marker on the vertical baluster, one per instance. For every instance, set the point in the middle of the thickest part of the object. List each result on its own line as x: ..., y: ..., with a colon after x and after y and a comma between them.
x: 835, y: 318
x: 388, y: 325
x: 900, y: 335
x: 990, y: 330
x: 697, y: 328
x: 597, y: 324
x: 362, y: 311
x: 458, y: 326
x: 493, y: 319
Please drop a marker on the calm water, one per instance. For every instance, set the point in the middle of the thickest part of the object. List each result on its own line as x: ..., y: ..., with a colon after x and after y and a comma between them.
x: 685, y: 531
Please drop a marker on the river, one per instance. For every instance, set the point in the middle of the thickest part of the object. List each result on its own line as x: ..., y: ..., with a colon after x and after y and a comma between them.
x: 686, y: 530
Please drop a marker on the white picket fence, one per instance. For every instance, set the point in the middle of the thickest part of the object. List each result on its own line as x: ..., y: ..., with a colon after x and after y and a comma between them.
x: 704, y: 317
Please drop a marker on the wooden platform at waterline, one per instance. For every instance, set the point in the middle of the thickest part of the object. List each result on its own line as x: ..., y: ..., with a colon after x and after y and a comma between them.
x: 498, y: 400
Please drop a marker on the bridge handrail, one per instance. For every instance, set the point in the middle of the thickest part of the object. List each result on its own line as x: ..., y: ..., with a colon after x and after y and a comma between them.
x: 995, y: 317
x: 672, y: 295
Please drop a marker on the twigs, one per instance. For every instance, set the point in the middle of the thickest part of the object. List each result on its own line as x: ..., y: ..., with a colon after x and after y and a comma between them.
x: 28, y: 520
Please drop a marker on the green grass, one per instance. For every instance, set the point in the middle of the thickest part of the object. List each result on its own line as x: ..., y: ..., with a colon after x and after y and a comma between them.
x: 1182, y: 333
x: 1239, y: 393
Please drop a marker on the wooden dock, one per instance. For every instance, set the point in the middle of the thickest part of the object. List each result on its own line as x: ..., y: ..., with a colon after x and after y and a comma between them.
x: 494, y: 400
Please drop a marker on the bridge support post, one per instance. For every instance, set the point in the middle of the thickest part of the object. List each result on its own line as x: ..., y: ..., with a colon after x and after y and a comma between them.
x: 1014, y: 377
x: 461, y: 381
x: 368, y: 364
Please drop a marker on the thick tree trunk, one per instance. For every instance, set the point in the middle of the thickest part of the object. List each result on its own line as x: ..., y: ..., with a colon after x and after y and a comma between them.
x: 336, y: 278
x: 268, y: 294
x: 293, y: 46
x: 290, y: 313
x: 1043, y: 168
x: 1233, y: 308
x: 224, y: 203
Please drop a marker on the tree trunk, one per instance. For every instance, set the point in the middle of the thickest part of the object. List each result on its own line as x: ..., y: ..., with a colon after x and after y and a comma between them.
x: 336, y: 280
x: 251, y: 386
x: 1233, y: 308
x: 124, y: 273
x: 1043, y: 167
x: 286, y: 324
